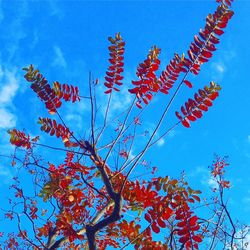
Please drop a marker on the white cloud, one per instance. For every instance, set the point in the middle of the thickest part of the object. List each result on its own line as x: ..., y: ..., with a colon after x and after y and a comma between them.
x: 218, y: 70
x: 59, y: 59
x: 204, y: 175
x: 5, y: 175
x: 161, y: 142
x: 7, y: 93
x: 7, y: 120
x: 120, y: 101
x: 248, y: 138
x: 212, y: 183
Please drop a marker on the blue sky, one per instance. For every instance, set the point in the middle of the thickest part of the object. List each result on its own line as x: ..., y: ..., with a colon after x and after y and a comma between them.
x: 67, y: 39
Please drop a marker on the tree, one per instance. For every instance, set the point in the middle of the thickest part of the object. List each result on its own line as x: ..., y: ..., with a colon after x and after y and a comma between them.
x: 82, y: 202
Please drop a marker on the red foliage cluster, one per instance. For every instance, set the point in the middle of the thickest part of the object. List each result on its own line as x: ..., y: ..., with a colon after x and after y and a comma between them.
x: 218, y: 167
x: 72, y: 198
x: 187, y: 227
x: 204, y: 45
x: 158, y: 209
x: 218, y: 171
x: 113, y: 74
x: 171, y: 73
x: 41, y: 86
x: 67, y: 92
x: 200, y: 51
x: 19, y: 139
x: 50, y: 96
x: 193, y: 108
x: 44, y: 231
x: 53, y: 128
x: 148, y: 81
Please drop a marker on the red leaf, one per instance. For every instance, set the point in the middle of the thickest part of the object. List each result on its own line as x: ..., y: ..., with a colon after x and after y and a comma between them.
x: 207, y: 102
x: 185, y: 123
x: 203, y: 107
x: 193, y: 221
x: 147, y: 217
x: 198, y: 41
x: 108, y: 85
x: 191, y: 118
x: 161, y: 223
x: 222, y: 24
x: 202, y: 93
x: 210, y: 47
x: 214, y: 39
x: 206, y: 53
x: 109, y: 79
x: 134, y: 90
x: 183, y: 231
x: 203, y: 34
x: 137, y: 82
x: 149, y: 96
x: 197, y: 198
x: 194, y: 48
x: 108, y: 91
x: 183, y: 110
x: 145, y: 100
x: 181, y: 224
x: 191, y: 55
x: 138, y: 105
x: 182, y: 69
x: 218, y: 32
x: 154, y: 67
x: 213, y: 95
x: 197, y: 238
x: 155, y: 228
x: 202, y: 59
x: 178, y: 115
x: 184, y: 239
x: 196, y: 227
x: 151, y: 75
x: 188, y: 83
x: 197, y: 113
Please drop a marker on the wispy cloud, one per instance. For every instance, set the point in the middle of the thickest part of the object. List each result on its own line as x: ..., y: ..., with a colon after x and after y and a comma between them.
x: 55, y: 10
x: 218, y: 70
x: 7, y: 119
x: 219, y: 67
x: 204, y: 176
x: 5, y: 175
x: 9, y: 88
x: 120, y: 101
x: 248, y: 138
x: 7, y: 93
x: 212, y: 183
x: 161, y: 142
x: 59, y: 60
